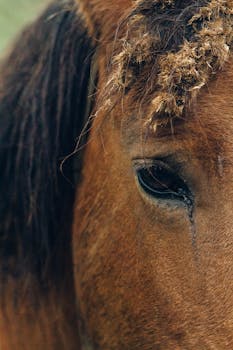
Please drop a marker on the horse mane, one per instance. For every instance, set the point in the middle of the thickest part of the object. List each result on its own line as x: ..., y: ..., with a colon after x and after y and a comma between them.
x: 43, y: 99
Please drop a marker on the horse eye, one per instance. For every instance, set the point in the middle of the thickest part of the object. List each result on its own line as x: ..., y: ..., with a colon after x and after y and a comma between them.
x: 160, y: 182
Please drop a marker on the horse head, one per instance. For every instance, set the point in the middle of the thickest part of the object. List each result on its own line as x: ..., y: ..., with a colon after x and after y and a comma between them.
x: 117, y: 178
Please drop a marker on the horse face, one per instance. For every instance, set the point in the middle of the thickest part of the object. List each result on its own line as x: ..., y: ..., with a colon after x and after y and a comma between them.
x: 152, y: 234
x: 150, y: 271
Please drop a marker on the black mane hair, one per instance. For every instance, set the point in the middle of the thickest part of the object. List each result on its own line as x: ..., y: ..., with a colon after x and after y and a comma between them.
x: 43, y: 97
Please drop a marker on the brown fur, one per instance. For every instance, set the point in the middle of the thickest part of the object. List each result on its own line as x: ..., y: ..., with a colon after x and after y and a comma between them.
x: 100, y: 16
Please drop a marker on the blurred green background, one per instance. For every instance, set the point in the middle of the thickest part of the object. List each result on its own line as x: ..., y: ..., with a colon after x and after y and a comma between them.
x: 14, y: 14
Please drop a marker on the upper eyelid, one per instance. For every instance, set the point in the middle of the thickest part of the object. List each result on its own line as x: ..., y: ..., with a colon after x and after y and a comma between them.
x: 146, y: 162
x: 172, y: 162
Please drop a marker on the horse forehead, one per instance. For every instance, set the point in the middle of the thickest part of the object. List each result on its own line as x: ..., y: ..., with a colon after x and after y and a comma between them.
x: 208, y: 123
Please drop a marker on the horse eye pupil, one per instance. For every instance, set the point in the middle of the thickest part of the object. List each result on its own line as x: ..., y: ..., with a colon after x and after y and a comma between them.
x: 160, y: 182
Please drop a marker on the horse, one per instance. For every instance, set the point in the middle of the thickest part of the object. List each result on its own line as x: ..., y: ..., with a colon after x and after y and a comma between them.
x: 116, y: 178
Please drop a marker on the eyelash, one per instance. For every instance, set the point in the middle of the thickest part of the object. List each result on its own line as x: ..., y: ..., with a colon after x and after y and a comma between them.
x: 159, y: 181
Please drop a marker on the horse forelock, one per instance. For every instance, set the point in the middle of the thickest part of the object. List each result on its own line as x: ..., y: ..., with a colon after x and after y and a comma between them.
x: 175, y: 47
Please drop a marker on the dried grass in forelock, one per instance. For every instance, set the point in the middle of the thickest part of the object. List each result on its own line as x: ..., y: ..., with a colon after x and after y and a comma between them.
x: 181, y: 72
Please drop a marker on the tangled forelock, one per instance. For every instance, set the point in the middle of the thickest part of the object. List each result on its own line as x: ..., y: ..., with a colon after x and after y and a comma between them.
x: 187, y: 41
